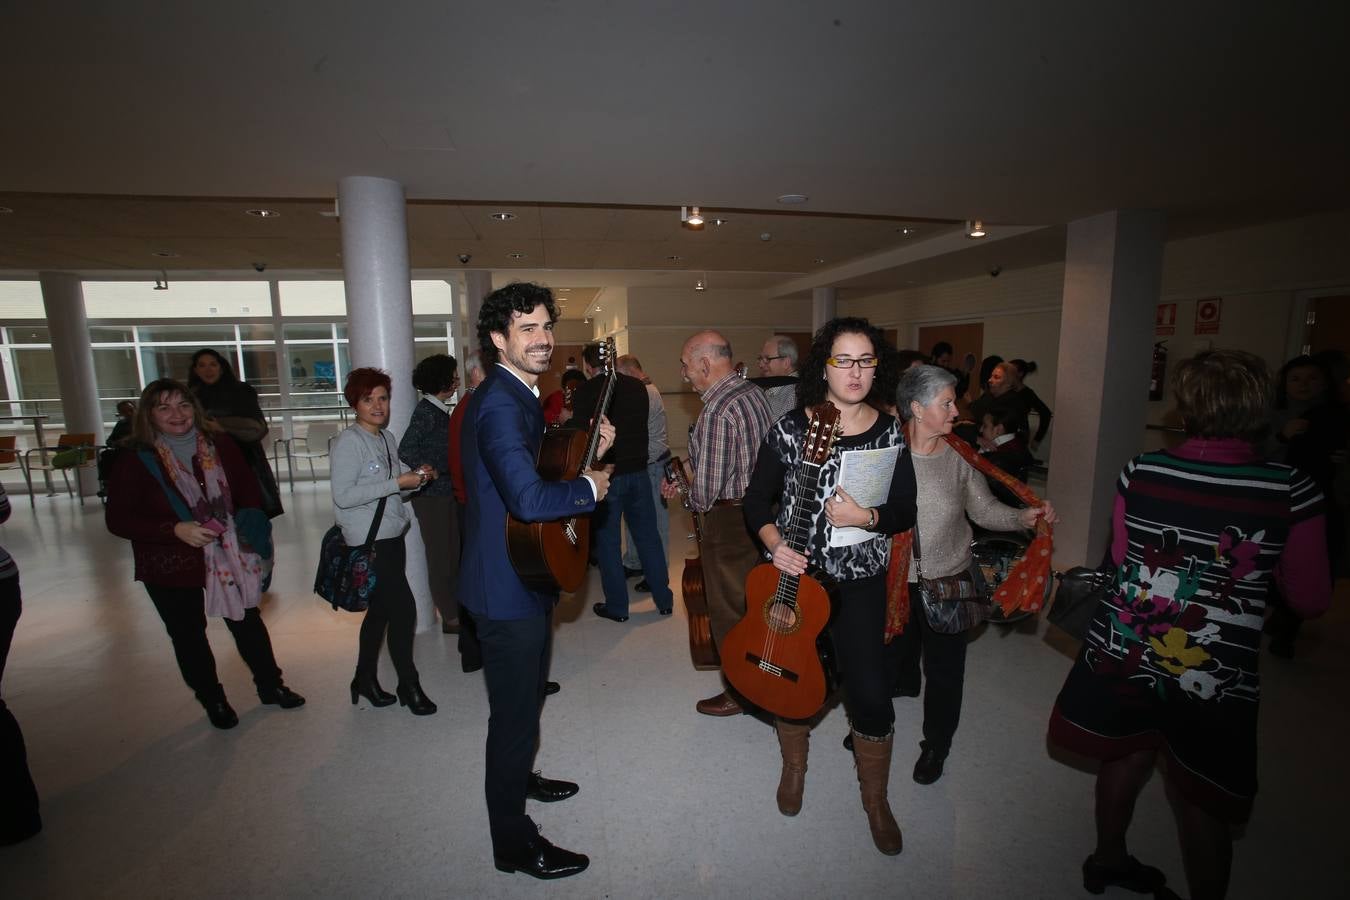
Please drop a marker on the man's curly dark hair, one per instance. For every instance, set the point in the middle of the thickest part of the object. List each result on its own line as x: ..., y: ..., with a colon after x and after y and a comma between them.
x: 811, y: 388
x: 500, y: 305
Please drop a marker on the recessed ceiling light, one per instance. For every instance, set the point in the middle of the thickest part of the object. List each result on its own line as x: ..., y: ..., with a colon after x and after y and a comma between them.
x: 719, y: 222
x: 516, y: 255
x: 164, y: 254
x: 905, y: 230
x: 793, y: 198
x: 975, y: 229
x: 820, y: 259
x: 597, y: 309
x: 5, y: 210
x: 503, y: 216
x: 564, y: 290
x: 263, y: 213
x: 674, y: 258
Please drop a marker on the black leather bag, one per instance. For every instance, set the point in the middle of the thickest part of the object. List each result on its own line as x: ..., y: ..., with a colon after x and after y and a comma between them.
x: 346, y: 576
x: 1081, y: 590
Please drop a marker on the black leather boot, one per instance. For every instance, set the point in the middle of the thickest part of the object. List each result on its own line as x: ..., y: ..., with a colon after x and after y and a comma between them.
x: 368, y: 686
x: 411, y: 696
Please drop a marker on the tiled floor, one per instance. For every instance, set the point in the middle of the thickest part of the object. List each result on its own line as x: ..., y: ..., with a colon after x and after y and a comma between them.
x: 143, y: 798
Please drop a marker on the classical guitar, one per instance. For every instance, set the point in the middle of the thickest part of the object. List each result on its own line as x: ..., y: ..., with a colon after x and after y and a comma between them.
x: 552, y: 556
x: 770, y: 656
x: 702, y: 650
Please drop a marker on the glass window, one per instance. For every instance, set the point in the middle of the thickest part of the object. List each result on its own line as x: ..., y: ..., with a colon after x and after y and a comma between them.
x: 260, y: 369
x: 255, y: 332
x: 166, y: 362
x: 312, y: 369
x: 29, y: 334
x: 206, y: 335
x: 115, y: 371
x: 429, y: 329
x: 101, y: 334
x: 428, y: 348
x: 433, y: 297
x: 21, y: 300
x: 314, y: 331
x: 35, y: 374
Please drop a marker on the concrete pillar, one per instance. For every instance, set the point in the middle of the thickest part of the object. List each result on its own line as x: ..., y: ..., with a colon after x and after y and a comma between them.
x: 287, y: 423
x: 1112, y: 276
x: 63, y: 301
x: 477, y: 285
x: 379, y: 319
x: 824, y: 307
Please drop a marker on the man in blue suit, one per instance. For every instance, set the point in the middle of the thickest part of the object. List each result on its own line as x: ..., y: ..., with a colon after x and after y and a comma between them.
x: 502, y: 433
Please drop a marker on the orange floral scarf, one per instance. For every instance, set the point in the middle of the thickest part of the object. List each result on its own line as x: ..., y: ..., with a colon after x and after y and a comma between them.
x: 1024, y: 588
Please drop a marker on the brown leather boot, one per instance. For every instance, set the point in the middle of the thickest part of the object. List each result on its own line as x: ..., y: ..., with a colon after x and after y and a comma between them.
x: 795, y: 741
x: 873, y: 759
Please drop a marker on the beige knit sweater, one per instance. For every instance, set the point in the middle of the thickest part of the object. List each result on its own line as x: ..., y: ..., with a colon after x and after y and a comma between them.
x: 949, y: 489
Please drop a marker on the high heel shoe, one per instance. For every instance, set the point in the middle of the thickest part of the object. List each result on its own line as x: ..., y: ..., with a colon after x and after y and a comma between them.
x: 369, y: 687
x: 411, y: 696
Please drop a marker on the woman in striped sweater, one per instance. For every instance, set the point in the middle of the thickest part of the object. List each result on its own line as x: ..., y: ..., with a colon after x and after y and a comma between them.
x: 1170, y: 662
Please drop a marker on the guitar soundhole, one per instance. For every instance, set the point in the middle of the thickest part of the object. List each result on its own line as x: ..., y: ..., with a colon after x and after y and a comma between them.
x: 781, y: 617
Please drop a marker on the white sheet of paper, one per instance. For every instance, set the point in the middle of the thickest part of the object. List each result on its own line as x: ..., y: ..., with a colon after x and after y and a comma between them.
x: 866, y: 476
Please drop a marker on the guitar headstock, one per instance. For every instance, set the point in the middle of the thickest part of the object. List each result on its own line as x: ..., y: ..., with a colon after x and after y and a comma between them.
x: 609, y: 356
x: 821, y: 433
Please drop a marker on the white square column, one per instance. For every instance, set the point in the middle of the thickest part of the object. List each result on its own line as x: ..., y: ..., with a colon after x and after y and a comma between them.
x: 1112, y: 275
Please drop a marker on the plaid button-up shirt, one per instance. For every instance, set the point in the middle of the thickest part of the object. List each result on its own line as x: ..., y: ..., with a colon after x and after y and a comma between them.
x: 725, y: 440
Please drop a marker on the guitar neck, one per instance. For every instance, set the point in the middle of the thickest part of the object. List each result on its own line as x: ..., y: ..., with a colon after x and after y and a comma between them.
x: 799, y: 528
x: 600, y: 411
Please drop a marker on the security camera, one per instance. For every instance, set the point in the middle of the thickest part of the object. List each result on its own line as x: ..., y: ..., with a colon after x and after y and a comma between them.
x: 260, y: 267
x: 994, y: 272
x: 464, y: 258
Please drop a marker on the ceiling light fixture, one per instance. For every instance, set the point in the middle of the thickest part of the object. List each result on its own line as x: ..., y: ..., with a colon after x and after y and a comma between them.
x: 819, y: 259
x: 564, y: 290
x: 719, y: 222
x: 516, y: 255
x: 674, y: 258
x: 163, y: 254
x: 5, y: 210
x: 702, y: 283
x: 162, y: 282
x: 905, y: 231
x: 263, y: 213
x: 503, y: 216
x: 975, y: 229
x: 691, y: 220
x: 793, y: 198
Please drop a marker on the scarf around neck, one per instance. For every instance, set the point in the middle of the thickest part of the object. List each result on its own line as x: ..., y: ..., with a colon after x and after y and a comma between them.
x: 233, y: 575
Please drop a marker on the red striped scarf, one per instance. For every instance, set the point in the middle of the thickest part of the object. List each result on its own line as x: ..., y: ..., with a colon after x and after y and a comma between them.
x: 1024, y: 588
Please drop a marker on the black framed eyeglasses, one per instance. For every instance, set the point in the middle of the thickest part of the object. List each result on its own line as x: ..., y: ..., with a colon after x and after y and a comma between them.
x: 867, y: 362
x: 767, y: 358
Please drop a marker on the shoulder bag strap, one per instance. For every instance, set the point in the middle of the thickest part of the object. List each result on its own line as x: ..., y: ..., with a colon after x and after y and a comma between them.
x: 179, y: 507
x: 379, y: 510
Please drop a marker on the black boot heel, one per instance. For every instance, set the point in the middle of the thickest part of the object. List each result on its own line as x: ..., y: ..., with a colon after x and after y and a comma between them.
x: 411, y: 696
x: 368, y: 686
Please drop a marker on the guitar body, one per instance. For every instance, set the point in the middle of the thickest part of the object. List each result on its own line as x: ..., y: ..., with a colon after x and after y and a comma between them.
x: 770, y: 656
x: 702, y: 650
x: 552, y: 556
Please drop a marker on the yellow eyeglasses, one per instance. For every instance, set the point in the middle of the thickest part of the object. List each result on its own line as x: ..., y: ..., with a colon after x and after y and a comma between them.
x: 867, y: 362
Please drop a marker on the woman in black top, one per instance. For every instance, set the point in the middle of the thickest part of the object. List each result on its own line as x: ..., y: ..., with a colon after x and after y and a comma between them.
x: 426, y: 441
x: 233, y: 405
x: 1029, y: 400
x: 851, y: 365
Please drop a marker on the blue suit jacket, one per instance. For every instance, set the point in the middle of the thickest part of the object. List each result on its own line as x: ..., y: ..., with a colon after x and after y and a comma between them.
x: 503, y: 429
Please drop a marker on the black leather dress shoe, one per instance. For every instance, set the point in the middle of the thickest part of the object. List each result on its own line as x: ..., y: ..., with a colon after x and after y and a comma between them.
x: 546, y: 790
x: 642, y: 587
x: 551, y: 687
x: 540, y: 859
x: 603, y: 612
x: 281, y: 696
x: 928, y: 768
x: 221, y: 714
x: 1132, y: 876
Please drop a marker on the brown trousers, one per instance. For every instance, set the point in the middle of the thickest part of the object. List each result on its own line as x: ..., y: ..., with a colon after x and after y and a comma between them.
x: 729, y: 553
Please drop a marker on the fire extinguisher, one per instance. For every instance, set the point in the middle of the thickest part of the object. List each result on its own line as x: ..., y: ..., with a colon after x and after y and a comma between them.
x: 1158, y: 380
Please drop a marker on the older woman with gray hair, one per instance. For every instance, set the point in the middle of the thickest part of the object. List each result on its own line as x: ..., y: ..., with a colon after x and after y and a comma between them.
x: 950, y: 490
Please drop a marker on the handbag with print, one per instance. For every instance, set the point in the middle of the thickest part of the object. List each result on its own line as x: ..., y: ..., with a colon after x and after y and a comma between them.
x: 953, y: 603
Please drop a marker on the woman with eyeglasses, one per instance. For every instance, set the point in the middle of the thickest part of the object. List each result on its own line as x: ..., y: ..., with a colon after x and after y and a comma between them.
x: 852, y: 366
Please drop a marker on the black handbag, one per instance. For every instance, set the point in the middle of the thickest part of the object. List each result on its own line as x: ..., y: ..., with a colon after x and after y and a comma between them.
x: 954, y: 603
x: 346, y: 575
x: 1081, y: 590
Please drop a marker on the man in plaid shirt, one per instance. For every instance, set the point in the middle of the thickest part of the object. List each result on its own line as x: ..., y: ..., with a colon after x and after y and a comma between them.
x: 722, y: 449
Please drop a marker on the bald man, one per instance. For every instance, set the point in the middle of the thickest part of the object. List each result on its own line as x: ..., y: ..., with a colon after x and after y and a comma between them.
x: 722, y: 449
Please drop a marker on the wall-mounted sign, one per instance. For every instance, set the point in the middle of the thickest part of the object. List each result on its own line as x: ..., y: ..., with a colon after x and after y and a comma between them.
x: 1165, y: 320
x: 1207, y: 315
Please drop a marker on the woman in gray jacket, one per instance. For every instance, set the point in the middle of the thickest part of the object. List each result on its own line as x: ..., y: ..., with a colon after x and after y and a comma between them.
x: 366, y: 472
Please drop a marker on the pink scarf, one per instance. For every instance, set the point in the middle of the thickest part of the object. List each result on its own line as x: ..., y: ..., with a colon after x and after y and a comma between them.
x: 233, y: 575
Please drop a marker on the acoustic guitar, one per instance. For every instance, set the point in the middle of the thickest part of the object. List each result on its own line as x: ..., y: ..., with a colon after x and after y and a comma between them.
x: 770, y: 656
x: 702, y: 650
x: 553, y: 556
